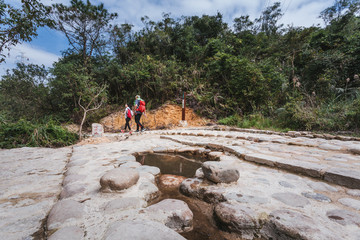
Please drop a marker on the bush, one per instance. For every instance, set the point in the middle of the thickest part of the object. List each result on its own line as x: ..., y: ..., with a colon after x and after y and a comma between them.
x: 26, y: 134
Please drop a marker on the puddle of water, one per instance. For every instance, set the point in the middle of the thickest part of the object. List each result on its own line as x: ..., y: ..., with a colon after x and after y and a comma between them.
x: 204, y: 225
x: 171, y: 163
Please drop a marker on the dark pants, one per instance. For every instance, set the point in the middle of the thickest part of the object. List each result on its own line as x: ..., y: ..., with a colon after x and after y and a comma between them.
x: 127, y: 123
x: 137, y: 120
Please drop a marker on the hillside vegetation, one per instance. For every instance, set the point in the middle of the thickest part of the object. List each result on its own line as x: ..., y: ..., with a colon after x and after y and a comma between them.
x: 252, y: 73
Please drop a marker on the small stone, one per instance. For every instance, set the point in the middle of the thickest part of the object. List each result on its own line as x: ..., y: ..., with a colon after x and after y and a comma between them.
x: 199, y: 173
x: 291, y: 199
x: 66, y: 233
x: 62, y: 211
x: 350, y: 202
x: 140, y: 229
x: 316, y: 196
x: 118, y: 179
x: 344, y: 217
x: 77, y: 163
x: 122, y: 204
x: 286, y: 184
x: 219, y: 172
x: 323, y: 187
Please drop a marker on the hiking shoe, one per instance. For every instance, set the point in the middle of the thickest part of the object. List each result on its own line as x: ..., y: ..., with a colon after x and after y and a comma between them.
x: 137, y: 131
x: 143, y: 129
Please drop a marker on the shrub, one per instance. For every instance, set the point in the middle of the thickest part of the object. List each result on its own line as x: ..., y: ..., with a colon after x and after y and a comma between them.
x: 26, y: 134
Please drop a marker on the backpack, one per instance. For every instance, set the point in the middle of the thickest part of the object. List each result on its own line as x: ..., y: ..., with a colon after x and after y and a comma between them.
x: 129, y: 113
x: 141, y: 107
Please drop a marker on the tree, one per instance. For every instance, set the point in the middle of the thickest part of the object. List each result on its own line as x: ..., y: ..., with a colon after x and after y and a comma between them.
x: 20, y: 25
x: 84, y: 25
x: 25, y: 93
x: 268, y: 21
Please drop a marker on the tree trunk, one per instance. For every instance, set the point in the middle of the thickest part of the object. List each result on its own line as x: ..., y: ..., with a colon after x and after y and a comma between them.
x: 82, y: 122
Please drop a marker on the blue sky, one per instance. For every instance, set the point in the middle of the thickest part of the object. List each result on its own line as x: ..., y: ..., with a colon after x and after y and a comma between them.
x: 47, y: 47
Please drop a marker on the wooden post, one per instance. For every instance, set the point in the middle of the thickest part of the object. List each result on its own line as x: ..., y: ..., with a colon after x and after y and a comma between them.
x: 183, y: 106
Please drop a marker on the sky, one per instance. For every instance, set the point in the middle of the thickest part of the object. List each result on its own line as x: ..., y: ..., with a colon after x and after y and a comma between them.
x: 46, y: 48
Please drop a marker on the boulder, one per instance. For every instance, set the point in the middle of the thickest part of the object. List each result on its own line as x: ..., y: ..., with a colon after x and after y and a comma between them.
x: 177, y: 214
x: 119, y: 179
x: 219, y: 172
x: 236, y: 217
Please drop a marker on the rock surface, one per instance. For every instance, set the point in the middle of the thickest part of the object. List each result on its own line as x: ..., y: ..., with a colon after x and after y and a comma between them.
x: 140, y: 229
x: 219, y: 172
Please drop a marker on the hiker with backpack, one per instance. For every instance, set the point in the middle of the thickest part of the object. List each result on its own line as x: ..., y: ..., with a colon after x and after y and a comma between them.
x: 139, y: 106
x: 128, y: 116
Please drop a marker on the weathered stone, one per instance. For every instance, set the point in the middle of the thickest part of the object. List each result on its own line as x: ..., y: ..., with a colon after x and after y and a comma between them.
x: 355, y: 149
x: 344, y: 217
x: 150, y: 169
x: 345, y: 177
x: 168, y: 181
x: 67, y: 233
x: 316, y: 196
x: 219, y: 172
x: 291, y: 199
x: 150, y: 191
x: 192, y: 187
x: 353, y: 192
x: 63, y: 211
x: 71, y: 190
x: 179, y: 217
x: 306, y: 168
x: 291, y: 225
x: 73, y: 178
x: 350, y: 202
x: 118, y: 179
x: 159, y: 150
x: 286, y: 184
x: 238, y: 218
x: 321, y: 186
x: 140, y: 229
x: 262, y: 159
x: 332, y: 147
x: 122, y: 204
x: 215, y: 156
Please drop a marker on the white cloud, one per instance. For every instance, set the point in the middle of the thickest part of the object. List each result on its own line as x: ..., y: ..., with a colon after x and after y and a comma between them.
x: 28, y: 54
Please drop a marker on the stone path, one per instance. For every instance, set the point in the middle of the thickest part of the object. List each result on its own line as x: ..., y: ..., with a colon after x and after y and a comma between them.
x: 288, y: 187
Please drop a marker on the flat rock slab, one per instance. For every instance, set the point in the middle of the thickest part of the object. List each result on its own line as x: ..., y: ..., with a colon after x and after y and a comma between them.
x: 220, y: 172
x: 119, y: 179
x: 350, y: 202
x: 316, y: 196
x: 140, y: 229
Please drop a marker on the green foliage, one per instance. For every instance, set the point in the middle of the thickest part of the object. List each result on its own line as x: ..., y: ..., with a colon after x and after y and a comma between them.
x: 20, y: 25
x: 24, y: 133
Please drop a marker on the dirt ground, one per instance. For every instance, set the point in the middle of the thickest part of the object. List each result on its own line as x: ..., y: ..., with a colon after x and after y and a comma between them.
x: 165, y: 117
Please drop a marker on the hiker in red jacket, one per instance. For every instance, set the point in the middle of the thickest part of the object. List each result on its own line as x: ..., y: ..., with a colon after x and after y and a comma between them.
x: 128, y: 115
x: 139, y: 106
